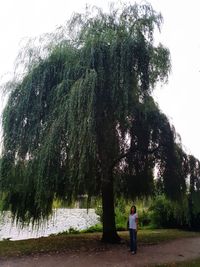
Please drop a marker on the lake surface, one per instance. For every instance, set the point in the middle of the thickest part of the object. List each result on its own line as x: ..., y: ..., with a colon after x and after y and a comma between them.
x: 62, y: 220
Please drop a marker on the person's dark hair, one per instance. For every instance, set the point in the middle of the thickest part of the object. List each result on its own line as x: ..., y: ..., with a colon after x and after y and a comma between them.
x: 134, y: 209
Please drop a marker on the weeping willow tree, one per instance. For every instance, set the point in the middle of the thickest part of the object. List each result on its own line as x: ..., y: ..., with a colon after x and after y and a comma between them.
x: 83, y: 121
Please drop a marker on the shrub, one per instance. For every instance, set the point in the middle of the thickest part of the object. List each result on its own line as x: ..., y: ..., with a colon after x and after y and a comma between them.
x: 144, y: 217
x: 169, y: 214
x: 93, y: 229
x: 121, y: 215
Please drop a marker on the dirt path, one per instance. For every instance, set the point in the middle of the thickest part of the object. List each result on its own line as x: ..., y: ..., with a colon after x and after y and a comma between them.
x: 115, y: 256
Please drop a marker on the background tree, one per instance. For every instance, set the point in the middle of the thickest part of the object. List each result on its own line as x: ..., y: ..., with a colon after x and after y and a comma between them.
x: 82, y: 120
x: 194, y: 191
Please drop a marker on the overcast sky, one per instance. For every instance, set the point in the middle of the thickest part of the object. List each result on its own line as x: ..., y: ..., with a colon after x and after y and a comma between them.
x: 179, y: 99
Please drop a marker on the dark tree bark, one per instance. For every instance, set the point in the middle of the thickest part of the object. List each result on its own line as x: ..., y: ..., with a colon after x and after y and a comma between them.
x: 109, y: 229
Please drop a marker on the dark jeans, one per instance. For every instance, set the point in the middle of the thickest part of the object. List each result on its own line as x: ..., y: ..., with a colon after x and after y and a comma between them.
x: 133, y: 239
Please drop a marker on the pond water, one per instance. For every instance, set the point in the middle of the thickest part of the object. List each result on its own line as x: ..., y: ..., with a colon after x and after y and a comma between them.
x: 62, y: 220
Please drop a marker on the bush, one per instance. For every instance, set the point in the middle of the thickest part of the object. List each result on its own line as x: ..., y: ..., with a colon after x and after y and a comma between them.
x: 144, y: 217
x: 121, y: 215
x: 93, y: 229
x: 169, y: 214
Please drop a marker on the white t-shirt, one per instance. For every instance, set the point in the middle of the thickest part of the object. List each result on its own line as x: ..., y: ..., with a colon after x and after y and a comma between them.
x: 132, y: 221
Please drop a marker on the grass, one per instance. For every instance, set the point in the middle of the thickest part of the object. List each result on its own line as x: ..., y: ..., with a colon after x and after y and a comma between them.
x: 84, y: 242
x: 155, y: 236
x: 191, y: 263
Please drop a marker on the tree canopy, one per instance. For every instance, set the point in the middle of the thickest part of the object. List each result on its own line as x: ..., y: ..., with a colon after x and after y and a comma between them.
x: 83, y: 120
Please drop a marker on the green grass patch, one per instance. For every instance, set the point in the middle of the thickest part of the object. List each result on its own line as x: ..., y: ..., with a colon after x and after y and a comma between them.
x: 84, y: 242
x: 155, y: 236
x: 60, y: 242
x: 191, y: 263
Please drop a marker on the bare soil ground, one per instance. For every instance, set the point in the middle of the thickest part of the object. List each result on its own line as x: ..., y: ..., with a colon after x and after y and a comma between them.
x: 114, y: 255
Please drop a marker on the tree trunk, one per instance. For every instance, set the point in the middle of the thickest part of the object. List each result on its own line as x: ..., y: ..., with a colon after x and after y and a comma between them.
x: 109, y: 229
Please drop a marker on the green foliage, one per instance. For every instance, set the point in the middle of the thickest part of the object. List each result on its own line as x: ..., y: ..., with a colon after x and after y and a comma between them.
x: 73, y: 231
x: 196, y: 202
x: 99, y: 211
x: 93, y: 229
x: 145, y: 218
x: 83, y: 117
x: 160, y: 212
x: 70, y: 231
x: 121, y: 215
x: 122, y: 208
x: 169, y: 214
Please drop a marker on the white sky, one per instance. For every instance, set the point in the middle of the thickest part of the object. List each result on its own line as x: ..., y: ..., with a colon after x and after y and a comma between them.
x: 180, y: 33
